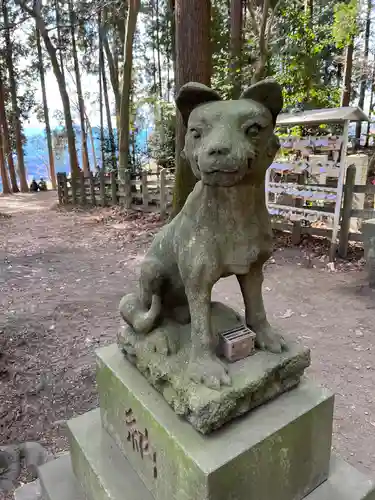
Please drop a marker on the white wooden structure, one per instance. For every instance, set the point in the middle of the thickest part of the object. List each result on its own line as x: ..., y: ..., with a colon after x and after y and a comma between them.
x: 337, y: 147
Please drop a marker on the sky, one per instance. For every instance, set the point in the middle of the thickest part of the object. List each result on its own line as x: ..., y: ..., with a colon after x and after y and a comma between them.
x: 89, y: 82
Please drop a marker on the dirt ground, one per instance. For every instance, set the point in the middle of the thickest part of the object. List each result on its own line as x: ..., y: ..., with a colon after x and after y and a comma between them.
x: 62, y: 275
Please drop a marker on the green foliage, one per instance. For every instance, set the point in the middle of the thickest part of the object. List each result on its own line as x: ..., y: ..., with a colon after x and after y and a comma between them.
x: 220, y: 36
x: 345, y: 26
x: 302, y: 52
x: 305, y: 63
x: 162, y: 142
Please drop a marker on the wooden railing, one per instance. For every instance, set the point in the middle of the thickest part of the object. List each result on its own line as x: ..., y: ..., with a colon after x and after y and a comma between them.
x: 146, y: 191
x: 298, y: 228
x: 153, y: 192
x: 350, y: 189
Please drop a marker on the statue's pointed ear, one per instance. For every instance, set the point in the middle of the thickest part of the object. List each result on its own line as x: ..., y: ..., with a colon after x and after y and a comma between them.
x: 192, y: 95
x: 268, y: 92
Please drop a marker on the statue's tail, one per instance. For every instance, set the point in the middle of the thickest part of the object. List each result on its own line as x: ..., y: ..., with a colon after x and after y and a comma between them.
x: 142, y: 320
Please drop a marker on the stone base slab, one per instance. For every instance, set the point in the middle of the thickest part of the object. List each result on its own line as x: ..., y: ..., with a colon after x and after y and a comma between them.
x: 101, y: 469
x: 59, y: 483
x: 29, y: 491
x: 255, y: 379
x: 344, y: 483
x: 280, y: 450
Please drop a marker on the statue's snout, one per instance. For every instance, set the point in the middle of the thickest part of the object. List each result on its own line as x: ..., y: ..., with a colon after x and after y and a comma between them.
x: 218, y: 150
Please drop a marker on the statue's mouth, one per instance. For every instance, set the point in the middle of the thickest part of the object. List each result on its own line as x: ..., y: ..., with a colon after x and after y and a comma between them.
x: 228, y: 171
x: 222, y: 171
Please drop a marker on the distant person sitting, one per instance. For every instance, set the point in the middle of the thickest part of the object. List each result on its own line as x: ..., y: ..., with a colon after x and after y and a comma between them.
x: 34, y: 186
x: 42, y: 185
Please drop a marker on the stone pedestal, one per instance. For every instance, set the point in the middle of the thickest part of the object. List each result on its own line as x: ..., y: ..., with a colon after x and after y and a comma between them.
x: 135, y: 447
x: 255, y: 379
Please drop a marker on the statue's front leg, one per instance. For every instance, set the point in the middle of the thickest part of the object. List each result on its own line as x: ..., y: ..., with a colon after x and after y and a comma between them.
x: 251, y: 287
x: 204, y: 367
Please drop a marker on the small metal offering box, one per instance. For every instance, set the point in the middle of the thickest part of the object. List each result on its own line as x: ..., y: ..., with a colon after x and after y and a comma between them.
x: 237, y: 343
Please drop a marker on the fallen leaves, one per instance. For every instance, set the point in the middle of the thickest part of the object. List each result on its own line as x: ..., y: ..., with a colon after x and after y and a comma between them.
x: 288, y: 314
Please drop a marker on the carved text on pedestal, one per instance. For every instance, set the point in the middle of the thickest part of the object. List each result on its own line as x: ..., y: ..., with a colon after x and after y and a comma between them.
x: 140, y: 440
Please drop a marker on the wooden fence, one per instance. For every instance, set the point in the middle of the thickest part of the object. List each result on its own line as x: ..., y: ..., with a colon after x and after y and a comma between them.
x: 146, y: 191
x: 153, y: 192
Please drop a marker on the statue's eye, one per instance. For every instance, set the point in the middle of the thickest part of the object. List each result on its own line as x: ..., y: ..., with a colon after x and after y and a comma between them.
x: 253, y: 129
x: 195, y: 133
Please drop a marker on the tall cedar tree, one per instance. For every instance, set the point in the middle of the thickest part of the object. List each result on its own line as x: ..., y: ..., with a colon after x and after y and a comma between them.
x: 4, y: 130
x: 236, y: 38
x: 45, y: 110
x: 13, y: 93
x: 81, y: 104
x: 36, y: 14
x: 193, y: 63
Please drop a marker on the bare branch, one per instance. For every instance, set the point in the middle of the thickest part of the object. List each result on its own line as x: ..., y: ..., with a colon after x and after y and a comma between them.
x: 263, y: 25
x: 270, y: 22
x: 111, y: 65
x: 251, y: 9
x: 26, y: 9
x: 38, y: 7
x: 15, y: 24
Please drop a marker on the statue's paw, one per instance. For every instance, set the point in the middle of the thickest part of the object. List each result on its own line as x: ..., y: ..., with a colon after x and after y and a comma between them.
x: 269, y: 340
x: 208, y: 370
x: 163, y: 343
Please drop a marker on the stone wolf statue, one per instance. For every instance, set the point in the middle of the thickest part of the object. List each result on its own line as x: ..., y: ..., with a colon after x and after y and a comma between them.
x: 223, y: 228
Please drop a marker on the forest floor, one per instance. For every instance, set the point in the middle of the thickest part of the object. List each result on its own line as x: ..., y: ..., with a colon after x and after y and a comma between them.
x: 62, y: 274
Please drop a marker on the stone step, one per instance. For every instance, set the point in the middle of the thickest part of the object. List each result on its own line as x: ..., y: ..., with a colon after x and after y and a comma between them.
x: 280, y: 450
x: 344, y: 483
x: 101, y: 469
x: 59, y: 483
x: 29, y: 491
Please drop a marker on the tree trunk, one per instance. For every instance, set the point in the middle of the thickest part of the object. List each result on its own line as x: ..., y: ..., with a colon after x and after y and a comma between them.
x: 160, y: 84
x: 371, y: 105
x: 13, y: 93
x: 154, y: 70
x: 112, y: 64
x: 236, y: 46
x: 308, y: 81
x: 347, y: 84
x: 3, y: 170
x: 51, y: 49
x: 65, y: 101
x: 364, y: 78
x: 6, y: 141
x: 309, y: 8
x: 131, y: 22
x: 107, y: 107
x: 193, y: 63
x: 260, y: 66
x: 59, y: 37
x: 45, y: 111
x: 117, y: 72
x: 169, y: 51
x: 81, y: 104
x: 102, y: 150
x: 90, y: 134
x: 173, y: 37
